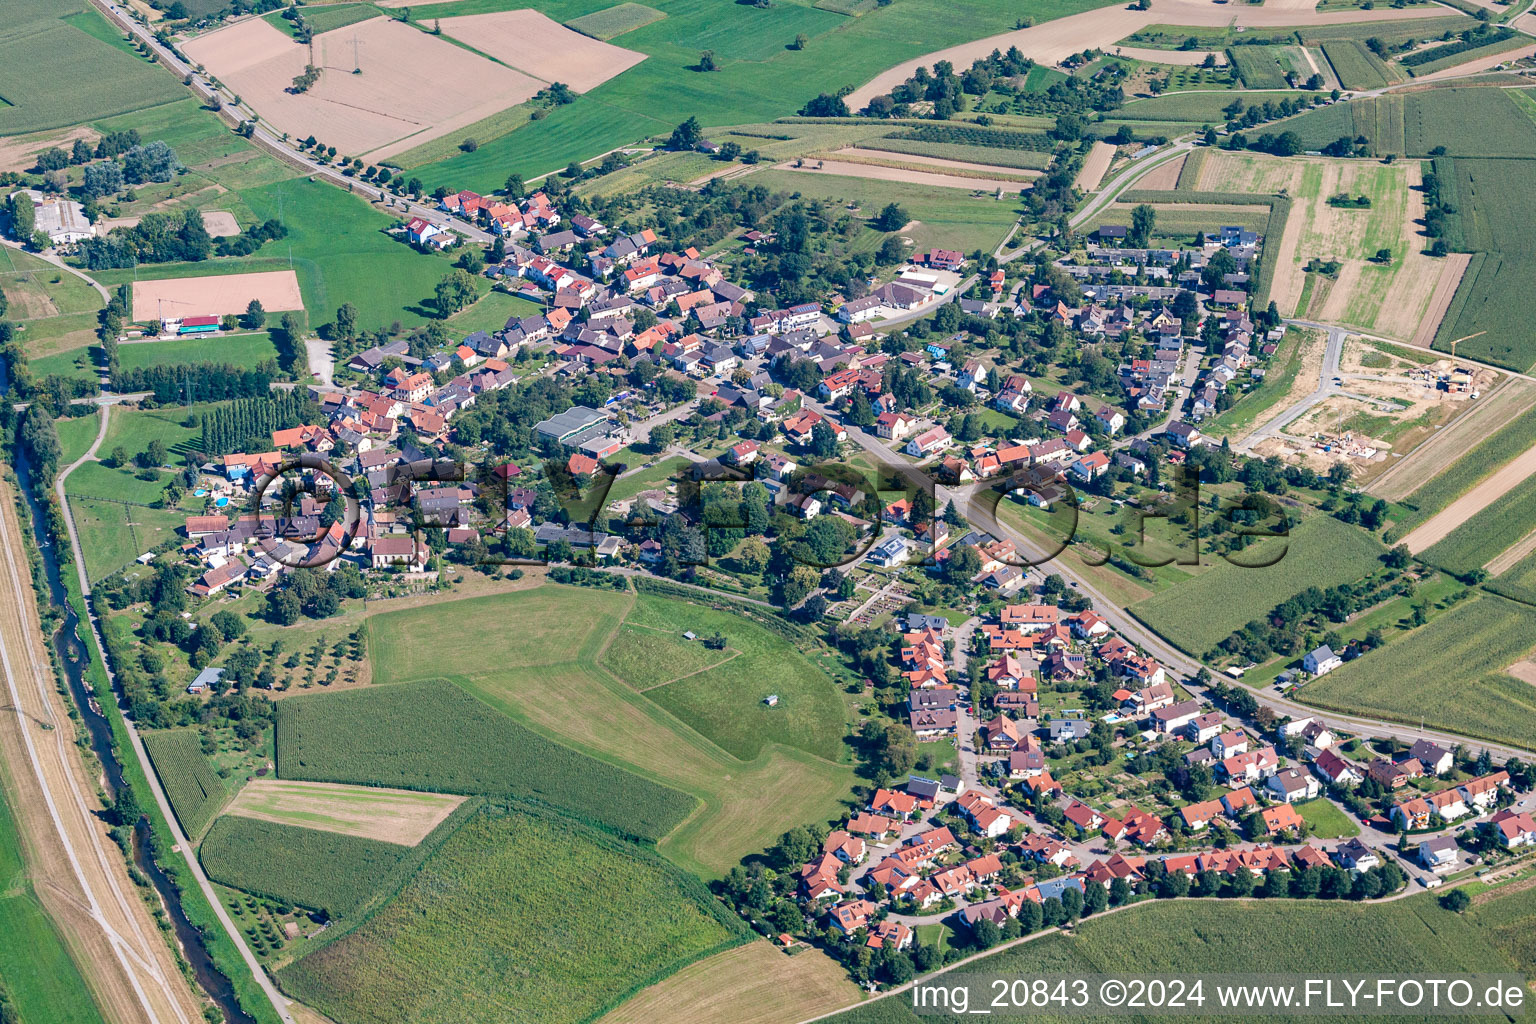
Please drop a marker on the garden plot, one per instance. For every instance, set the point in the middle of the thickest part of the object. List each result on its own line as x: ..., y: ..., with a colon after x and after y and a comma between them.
x: 388, y: 815
x: 413, y: 86
x: 545, y: 49
x: 216, y: 295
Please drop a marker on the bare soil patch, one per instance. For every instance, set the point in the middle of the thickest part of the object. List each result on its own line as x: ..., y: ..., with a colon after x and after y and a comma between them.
x: 543, y: 48
x: 413, y: 87
x: 1480, y: 64
x: 215, y: 296
x: 396, y: 816
x: 1451, y: 269
x: 1525, y: 671
x: 1164, y: 177
x: 1512, y: 556
x: 20, y: 152
x: 1096, y: 166
x: 1504, y: 480
x: 876, y: 173
x: 220, y: 223
x: 1487, y: 415
x: 751, y: 984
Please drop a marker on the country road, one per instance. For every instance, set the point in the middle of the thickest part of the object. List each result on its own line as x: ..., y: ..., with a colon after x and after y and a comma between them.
x: 79, y: 873
x: 183, y: 845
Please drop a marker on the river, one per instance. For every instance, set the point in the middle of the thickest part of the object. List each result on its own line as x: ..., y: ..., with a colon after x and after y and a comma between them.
x: 72, y: 655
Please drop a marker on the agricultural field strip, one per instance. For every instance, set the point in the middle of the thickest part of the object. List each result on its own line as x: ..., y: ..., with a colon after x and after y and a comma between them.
x: 388, y: 815
x: 1493, y: 487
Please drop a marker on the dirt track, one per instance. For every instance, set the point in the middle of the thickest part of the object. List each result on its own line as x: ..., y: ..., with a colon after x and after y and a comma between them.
x: 78, y: 872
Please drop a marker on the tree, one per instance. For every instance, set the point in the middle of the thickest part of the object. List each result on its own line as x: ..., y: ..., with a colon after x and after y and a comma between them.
x: 1143, y: 220
x: 103, y: 179
x: 707, y: 61
x: 799, y: 43
x: 23, y: 217
x: 514, y: 187
x: 346, y: 321
x: 892, y: 218
x: 455, y: 291
x: 686, y: 135
x: 255, y: 317
x: 1456, y: 901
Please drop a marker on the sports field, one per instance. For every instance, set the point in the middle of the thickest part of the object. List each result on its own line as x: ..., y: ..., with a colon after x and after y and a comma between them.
x: 388, y: 815
x: 216, y: 296
x: 518, y: 916
x: 543, y: 657
x: 1199, y: 613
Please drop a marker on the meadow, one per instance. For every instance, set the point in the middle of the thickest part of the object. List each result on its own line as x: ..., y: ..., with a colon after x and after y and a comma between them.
x: 615, y: 21
x: 343, y: 876
x: 647, y: 658
x: 36, y: 971
x: 1195, y: 107
x: 53, y: 73
x: 113, y: 533
x: 537, y: 655
x: 1325, y: 820
x: 434, y: 736
x: 760, y: 77
x: 1448, y: 674
x: 519, y: 915
x: 1163, y: 938
x: 1260, y: 66
x: 1198, y: 614
x: 75, y: 436
x: 195, y: 792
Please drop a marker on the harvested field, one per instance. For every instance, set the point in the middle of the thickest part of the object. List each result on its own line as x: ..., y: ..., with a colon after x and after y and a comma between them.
x: 414, y: 86
x: 388, y: 815
x: 1095, y: 166
x: 1051, y: 41
x: 1486, y: 418
x: 876, y: 173
x: 221, y: 223
x: 19, y: 154
x: 1452, y: 267
x: 878, y: 156
x: 1483, y: 63
x: 1490, y: 490
x: 751, y: 984
x: 1165, y: 176
x: 217, y: 295
x: 1513, y: 555
x: 545, y: 49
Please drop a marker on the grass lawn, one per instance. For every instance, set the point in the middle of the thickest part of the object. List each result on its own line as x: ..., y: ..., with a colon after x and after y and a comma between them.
x: 44, y: 984
x: 75, y: 436
x: 243, y: 350
x: 546, y: 672
x: 491, y: 313
x: 1409, y: 935
x: 655, y: 478
x: 1325, y: 820
x: 493, y: 927
x: 1199, y: 614
x: 1449, y: 674
x: 113, y: 534
x: 645, y: 657
x: 97, y: 480
x: 36, y: 289
x: 1277, y: 384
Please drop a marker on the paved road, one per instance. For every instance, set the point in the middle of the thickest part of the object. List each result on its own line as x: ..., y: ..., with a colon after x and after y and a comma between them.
x: 236, y: 113
x: 1325, y: 389
x: 183, y: 845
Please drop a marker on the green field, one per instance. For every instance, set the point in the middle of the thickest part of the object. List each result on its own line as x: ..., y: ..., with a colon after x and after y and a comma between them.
x: 548, y: 673
x: 76, y: 435
x: 1200, y: 613
x: 490, y: 313
x: 54, y: 74
x: 759, y: 79
x: 1024, y: 159
x: 1491, y: 303
x: 1196, y: 107
x: 195, y: 792
x: 1465, y: 121
x: 344, y: 876
x: 1518, y: 581
x: 615, y: 21
x: 1165, y: 938
x: 1462, y: 475
x: 646, y: 657
x: 1450, y: 55
x: 1356, y: 66
x: 36, y: 289
x: 113, y: 534
x: 434, y: 736
x: 1488, y: 533
x: 1260, y: 67
x: 1449, y: 674
x: 519, y: 916
x: 36, y: 971
x: 1325, y: 820
x: 655, y: 478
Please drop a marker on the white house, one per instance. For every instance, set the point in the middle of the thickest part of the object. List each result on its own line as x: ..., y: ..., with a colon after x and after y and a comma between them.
x: 1321, y: 661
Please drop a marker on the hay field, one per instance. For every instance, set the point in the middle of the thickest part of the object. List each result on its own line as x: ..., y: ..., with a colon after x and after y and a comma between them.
x: 615, y: 21
x: 751, y: 984
x: 414, y: 86
x: 886, y: 158
x: 874, y: 172
x: 1392, y: 299
x: 545, y: 49
x: 388, y: 815
x: 217, y: 295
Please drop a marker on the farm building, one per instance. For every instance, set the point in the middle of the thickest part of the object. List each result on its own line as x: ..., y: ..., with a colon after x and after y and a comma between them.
x: 188, y: 326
